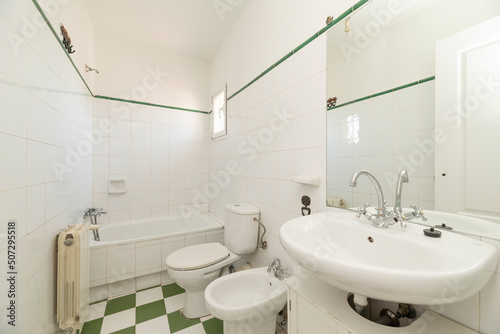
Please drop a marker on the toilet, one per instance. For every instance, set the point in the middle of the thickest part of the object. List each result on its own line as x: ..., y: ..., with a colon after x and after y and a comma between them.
x: 195, y: 267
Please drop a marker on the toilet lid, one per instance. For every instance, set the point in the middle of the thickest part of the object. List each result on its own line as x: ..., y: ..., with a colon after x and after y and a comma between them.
x: 197, y: 256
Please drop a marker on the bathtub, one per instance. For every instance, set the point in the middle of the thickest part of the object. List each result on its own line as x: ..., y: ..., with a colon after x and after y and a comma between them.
x: 143, y: 230
x: 133, y: 252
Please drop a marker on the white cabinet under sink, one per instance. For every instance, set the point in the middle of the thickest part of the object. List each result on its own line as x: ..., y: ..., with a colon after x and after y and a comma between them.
x: 305, y: 317
x: 315, y: 306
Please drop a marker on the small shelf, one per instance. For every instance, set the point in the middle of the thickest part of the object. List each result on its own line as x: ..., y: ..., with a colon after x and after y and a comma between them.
x: 307, y: 180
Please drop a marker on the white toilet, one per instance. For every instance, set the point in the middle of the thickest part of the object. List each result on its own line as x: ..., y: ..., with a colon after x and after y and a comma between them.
x: 194, y: 267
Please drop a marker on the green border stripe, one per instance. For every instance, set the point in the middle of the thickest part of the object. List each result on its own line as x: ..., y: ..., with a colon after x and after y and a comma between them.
x: 148, y: 104
x: 384, y: 92
x: 342, y: 16
x: 35, y: 2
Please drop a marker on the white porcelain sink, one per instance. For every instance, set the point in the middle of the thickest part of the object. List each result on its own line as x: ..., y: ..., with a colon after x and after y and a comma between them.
x: 395, y: 264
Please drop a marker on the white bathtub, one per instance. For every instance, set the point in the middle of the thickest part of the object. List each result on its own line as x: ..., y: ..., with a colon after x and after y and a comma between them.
x: 138, y: 249
x: 143, y: 230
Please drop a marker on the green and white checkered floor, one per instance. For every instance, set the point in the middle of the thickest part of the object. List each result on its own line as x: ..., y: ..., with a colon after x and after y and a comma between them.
x: 152, y: 311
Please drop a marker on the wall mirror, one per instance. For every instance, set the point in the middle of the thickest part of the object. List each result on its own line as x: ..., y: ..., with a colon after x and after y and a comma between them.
x: 381, y: 91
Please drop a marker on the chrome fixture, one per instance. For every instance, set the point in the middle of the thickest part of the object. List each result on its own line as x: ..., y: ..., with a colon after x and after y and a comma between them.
x: 93, y: 213
x: 403, y: 178
x: 383, y: 217
x: 90, y: 69
x: 381, y: 208
x: 419, y: 213
x: 262, y: 244
x: 348, y: 27
x: 275, y: 266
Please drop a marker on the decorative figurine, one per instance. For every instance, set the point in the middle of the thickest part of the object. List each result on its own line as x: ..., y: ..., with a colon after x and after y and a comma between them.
x: 331, y: 102
x: 66, y: 40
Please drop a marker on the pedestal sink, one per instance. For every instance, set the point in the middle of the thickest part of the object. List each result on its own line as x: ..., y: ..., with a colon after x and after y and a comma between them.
x: 395, y: 264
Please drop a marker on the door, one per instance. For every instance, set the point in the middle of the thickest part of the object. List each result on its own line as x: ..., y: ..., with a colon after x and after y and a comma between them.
x: 467, y: 138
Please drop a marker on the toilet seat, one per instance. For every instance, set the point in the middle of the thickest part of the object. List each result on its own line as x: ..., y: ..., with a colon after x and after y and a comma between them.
x: 197, y: 256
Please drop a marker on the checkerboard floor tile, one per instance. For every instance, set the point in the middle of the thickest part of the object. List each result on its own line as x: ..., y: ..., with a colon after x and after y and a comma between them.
x: 152, y: 311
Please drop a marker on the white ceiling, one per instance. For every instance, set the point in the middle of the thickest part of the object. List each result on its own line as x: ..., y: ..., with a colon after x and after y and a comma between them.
x: 190, y: 27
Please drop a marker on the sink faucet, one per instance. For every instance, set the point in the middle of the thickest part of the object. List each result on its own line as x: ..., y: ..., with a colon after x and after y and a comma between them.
x: 381, y: 210
x: 275, y: 266
x: 93, y: 213
x: 383, y: 218
x: 403, y: 178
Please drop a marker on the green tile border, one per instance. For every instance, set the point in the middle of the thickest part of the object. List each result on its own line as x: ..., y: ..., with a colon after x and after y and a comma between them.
x: 146, y: 289
x: 148, y: 104
x: 341, y: 17
x: 35, y: 2
x: 336, y: 21
x: 99, y: 301
x: 384, y: 92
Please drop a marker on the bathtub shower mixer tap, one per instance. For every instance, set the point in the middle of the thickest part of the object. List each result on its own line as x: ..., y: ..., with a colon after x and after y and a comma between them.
x: 93, y: 213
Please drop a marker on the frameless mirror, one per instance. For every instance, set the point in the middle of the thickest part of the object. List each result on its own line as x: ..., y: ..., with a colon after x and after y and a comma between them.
x: 381, y: 98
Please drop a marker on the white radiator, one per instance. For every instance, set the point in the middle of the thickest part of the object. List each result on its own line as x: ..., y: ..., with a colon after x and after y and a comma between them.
x: 73, y: 277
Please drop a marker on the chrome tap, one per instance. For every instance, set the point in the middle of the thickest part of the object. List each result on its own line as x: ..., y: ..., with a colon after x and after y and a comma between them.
x: 275, y: 266
x: 417, y: 213
x: 383, y: 217
x: 381, y: 210
x: 93, y: 213
x: 403, y: 178
x: 397, y: 213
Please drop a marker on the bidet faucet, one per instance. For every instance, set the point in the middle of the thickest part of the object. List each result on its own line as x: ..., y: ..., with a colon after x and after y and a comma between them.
x: 275, y: 266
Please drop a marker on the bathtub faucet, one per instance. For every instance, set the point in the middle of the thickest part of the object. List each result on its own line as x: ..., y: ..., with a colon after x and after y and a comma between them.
x: 93, y: 213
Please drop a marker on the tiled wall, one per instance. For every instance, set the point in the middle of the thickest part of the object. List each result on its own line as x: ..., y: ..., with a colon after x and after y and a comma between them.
x: 296, y: 146
x: 389, y: 133
x: 161, y: 153
x: 276, y: 130
x: 45, y: 109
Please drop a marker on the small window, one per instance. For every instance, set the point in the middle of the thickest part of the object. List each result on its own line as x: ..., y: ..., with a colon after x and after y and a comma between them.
x: 219, y: 113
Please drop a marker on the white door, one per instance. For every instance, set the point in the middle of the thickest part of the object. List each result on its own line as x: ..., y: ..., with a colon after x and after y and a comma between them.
x: 468, y: 122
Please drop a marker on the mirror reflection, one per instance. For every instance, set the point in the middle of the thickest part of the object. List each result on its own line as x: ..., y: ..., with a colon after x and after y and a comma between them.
x: 381, y: 91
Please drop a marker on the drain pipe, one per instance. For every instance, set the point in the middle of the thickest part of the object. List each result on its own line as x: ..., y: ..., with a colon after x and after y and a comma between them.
x: 387, y: 318
x: 360, y: 304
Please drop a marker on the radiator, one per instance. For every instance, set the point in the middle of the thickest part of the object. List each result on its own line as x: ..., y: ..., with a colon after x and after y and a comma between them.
x: 73, y: 277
